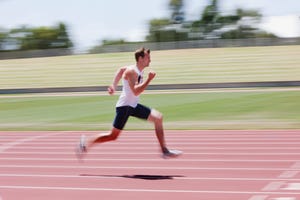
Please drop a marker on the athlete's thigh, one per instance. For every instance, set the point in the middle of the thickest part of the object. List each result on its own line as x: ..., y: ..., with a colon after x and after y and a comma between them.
x: 122, y: 115
x: 141, y: 112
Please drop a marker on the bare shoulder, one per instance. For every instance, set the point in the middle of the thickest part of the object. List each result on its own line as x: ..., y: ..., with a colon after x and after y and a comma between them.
x: 129, y: 72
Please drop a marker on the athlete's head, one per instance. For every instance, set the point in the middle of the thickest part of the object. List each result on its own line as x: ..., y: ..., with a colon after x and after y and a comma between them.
x: 142, y: 55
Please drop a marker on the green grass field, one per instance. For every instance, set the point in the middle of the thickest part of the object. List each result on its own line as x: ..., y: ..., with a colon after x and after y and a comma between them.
x: 176, y: 66
x: 250, y: 109
x: 203, y: 110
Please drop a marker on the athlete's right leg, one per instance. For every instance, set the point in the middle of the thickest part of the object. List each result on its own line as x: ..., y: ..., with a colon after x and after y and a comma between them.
x: 122, y: 114
x: 84, y: 145
x: 104, y: 137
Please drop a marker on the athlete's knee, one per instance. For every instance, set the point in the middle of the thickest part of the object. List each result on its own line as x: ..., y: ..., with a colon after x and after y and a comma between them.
x: 114, y: 134
x: 160, y: 117
x: 114, y: 137
x: 156, y: 115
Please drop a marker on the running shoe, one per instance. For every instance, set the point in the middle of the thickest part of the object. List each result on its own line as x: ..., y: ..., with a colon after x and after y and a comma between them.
x: 172, y: 153
x: 81, y: 149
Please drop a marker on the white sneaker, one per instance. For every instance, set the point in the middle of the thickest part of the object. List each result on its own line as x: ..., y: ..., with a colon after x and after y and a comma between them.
x: 81, y: 149
x: 172, y: 153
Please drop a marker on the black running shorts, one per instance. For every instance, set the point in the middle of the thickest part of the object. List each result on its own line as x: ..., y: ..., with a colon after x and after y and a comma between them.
x: 123, y: 113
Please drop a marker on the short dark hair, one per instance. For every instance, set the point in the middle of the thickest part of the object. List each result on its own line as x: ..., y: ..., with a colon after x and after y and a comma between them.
x: 141, y: 53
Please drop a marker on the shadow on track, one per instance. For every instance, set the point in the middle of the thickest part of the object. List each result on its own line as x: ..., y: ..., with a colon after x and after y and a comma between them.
x: 138, y: 176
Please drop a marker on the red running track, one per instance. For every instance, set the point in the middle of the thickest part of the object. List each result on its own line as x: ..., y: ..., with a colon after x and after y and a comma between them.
x: 229, y: 165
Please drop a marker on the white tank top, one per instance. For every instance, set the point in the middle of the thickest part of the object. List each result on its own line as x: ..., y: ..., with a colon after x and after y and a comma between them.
x: 127, y: 97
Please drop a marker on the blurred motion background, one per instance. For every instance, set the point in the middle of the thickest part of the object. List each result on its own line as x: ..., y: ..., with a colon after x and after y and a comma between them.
x: 236, y: 61
x: 94, y: 26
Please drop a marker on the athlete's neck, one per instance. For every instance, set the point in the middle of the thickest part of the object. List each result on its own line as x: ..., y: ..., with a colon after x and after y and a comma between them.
x: 140, y: 67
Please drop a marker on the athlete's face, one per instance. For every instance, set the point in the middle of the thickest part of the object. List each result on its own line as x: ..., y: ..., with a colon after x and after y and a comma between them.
x: 146, y: 60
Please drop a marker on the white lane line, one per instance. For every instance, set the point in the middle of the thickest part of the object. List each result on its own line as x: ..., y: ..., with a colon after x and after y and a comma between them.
x: 292, y: 186
x: 178, y: 143
x: 142, y: 167
x: 149, y: 159
x: 258, y: 197
x: 122, y: 147
x: 150, y: 135
x: 260, y: 133
x: 288, y: 174
x: 180, y: 139
x: 191, y: 139
x: 150, y: 153
x: 155, y: 153
x: 201, y: 148
x: 9, y: 145
x: 113, y: 151
x: 143, y: 190
x: 178, y: 177
x: 273, y: 186
x: 72, y: 155
x: 279, y: 184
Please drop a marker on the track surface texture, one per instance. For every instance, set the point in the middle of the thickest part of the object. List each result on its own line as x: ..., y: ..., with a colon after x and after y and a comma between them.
x: 216, y: 165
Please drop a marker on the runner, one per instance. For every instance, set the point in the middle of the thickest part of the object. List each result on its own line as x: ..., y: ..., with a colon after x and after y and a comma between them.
x: 128, y: 105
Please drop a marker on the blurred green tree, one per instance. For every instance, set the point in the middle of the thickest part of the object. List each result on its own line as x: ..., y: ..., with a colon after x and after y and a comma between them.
x: 169, y: 29
x: 241, y: 24
x: 3, y: 36
x: 211, y: 24
x: 177, y: 13
x: 26, y: 38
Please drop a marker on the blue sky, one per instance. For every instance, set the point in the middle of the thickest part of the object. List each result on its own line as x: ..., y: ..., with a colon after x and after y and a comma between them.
x: 91, y: 21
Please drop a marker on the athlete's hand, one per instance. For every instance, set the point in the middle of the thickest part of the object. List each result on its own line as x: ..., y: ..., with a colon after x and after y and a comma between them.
x: 151, y: 75
x: 111, y: 90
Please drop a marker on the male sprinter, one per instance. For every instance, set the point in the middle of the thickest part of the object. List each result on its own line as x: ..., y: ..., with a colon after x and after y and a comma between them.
x: 127, y: 105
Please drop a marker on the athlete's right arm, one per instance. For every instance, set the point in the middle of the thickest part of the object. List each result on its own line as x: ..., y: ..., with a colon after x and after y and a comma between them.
x: 112, y: 88
x: 132, y: 78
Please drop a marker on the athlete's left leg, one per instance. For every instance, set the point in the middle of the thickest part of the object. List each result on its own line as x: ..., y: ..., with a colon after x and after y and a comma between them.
x: 157, y: 118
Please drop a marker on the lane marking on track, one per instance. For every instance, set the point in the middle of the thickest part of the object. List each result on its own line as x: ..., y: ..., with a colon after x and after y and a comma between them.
x: 172, y: 139
x: 189, y: 153
x: 292, y: 186
x: 178, y: 177
x: 288, y: 174
x: 158, y: 159
x: 64, y: 143
x: 123, y: 148
x: 143, y: 167
x: 9, y: 145
x: 285, y: 185
x: 258, y: 197
x: 144, y: 190
x: 273, y: 186
x: 282, y: 185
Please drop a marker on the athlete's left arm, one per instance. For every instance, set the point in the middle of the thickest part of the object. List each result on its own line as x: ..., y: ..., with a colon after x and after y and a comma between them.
x: 112, y: 88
